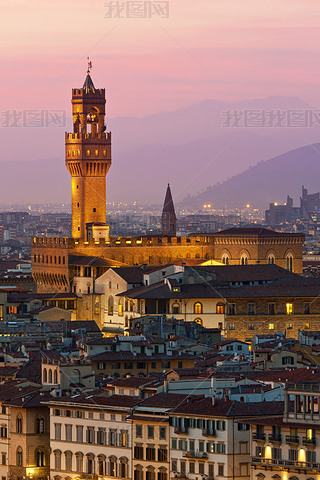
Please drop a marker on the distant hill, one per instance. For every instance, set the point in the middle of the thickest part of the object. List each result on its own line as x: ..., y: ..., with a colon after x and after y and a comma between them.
x: 190, y: 147
x: 266, y: 182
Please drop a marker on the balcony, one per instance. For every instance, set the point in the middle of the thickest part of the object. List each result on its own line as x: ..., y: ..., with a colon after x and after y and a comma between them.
x: 89, y: 476
x: 181, y: 430
x: 259, y: 436
x: 306, y: 387
x: 308, y: 441
x: 194, y: 454
x: 275, y: 438
x: 285, y: 463
x: 207, y: 432
x: 293, y: 439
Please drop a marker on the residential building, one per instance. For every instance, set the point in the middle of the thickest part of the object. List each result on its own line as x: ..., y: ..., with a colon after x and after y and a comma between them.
x: 210, y: 438
x: 29, y: 446
x: 287, y: 446
x: 90, y: 436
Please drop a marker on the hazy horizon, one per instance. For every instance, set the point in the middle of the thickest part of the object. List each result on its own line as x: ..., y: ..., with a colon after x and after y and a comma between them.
x: 154, y: 63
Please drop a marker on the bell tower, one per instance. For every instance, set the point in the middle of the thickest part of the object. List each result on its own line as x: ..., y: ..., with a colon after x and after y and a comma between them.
x: 88, y: 159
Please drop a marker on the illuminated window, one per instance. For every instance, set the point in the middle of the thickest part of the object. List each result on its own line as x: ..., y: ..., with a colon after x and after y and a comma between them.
x: 120, y: 307
x: 104, y: 153
x: 307, y: 326
x: 289, y: 308
x: 13, y: 309
x: 96, y: 152
x: 310, y: 434
x: 88, y: 153
x: 197, y: 308
x: 97, y: 305
x: 259, y: 451
x: 220, y: 308
x: 123, y: 439
x: 271, y: 326
x: 225, y: 259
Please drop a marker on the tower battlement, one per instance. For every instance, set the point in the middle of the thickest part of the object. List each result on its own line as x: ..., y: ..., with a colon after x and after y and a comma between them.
x: 82, y: 93
x: 51, y: 241
x: 145, y: 241
x: 90, y: 137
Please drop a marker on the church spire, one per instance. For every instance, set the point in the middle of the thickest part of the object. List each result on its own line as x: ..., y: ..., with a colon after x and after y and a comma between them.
x: 168, y: 218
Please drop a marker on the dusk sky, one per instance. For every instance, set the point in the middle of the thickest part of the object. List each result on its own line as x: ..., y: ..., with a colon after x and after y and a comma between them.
x: 218, y: 49
x: 185, y: 53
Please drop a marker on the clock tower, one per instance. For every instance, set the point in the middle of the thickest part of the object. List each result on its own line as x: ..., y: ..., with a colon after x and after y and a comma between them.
x: 88, y: 159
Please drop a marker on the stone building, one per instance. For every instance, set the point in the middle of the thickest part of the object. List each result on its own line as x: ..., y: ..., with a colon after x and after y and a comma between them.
x: 234, y: 299
x: 88, y: 159
x: 287, y: 446
x: 210, y: 437
x: 90, y: 436
x: 29, y: 454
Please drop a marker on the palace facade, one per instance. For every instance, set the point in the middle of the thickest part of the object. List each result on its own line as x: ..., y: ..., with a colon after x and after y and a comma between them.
x: 91, y: 250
